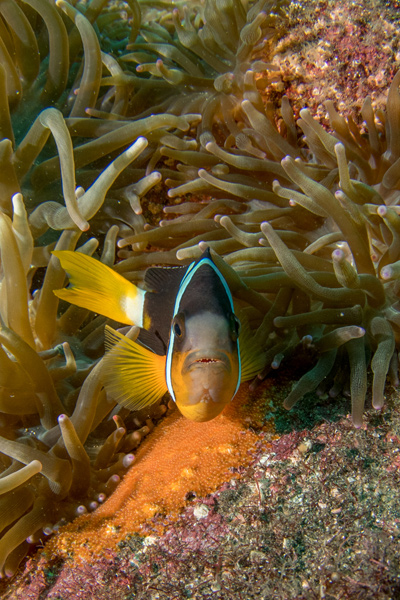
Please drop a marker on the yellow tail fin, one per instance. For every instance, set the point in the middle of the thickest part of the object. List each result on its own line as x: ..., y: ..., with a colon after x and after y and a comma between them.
x: 95, y: 286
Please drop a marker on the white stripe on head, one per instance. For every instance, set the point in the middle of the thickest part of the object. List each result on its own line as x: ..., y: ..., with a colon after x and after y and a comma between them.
x: 192, y: 269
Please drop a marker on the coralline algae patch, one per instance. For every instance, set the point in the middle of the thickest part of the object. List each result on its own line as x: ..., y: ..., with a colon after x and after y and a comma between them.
x: 179, y: 458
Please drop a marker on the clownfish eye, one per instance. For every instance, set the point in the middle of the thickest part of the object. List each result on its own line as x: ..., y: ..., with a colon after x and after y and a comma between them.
x: 234, y: 325
x: 178, y: 325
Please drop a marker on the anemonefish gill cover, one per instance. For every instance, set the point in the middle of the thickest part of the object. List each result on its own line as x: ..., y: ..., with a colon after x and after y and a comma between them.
x: 190, y: 342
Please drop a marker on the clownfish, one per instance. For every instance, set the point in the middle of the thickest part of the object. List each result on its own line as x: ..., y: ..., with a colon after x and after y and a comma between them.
x: 191, y: 343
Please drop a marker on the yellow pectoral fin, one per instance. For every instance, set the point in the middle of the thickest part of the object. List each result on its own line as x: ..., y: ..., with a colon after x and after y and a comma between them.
x: 95, y: 286
x: 132, y: 375
x: 252, y: 356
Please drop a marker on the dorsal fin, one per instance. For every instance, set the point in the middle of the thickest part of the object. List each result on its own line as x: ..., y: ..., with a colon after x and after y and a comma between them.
x: 160, y: 279
x: 132, y: 375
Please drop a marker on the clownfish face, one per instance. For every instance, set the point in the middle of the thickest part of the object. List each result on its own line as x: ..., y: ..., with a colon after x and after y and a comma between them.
x: 205, y: 364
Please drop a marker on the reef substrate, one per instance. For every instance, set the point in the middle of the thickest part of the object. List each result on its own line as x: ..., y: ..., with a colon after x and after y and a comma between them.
x: 339, y: 51
x: 316, y: 514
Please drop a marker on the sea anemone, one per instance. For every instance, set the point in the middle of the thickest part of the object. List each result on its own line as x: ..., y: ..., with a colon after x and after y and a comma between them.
x: 320, y: 241
x: 307, y: 223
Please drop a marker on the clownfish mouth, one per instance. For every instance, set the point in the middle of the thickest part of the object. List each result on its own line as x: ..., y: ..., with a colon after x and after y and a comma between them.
x: 207, y: 360
x: 200, y: 358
